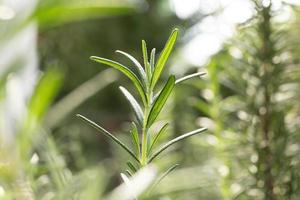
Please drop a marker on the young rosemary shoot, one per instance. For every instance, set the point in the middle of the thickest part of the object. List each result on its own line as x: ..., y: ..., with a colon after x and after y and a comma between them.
x: 152, y: 103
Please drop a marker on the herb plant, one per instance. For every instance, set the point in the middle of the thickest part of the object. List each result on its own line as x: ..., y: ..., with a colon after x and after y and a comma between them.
x: 152, y: 102
x: 255, y: 94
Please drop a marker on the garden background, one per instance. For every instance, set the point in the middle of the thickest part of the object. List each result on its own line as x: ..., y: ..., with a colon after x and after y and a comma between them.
x: 248, y: 100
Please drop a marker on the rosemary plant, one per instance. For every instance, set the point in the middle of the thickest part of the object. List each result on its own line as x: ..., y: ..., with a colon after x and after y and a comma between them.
x: 152, y: 102
x: 254, y: 94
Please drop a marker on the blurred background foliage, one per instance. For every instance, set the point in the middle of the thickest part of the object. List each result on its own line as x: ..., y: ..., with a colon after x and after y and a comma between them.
x: 248, y: 99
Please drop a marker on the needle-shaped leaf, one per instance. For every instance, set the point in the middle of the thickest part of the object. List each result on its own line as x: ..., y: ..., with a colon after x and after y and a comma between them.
x: 160, y: 178
x: 135, y: 138
x: 125, y: 71
x: 146, y: 62
x: 175, y: 140
x: 137, y: 64
x: 172, y: 168
x: 152, y: 60
x: 134, y: 104
x: 160, y: 100
x: 108, y: 134
x: 157, y: 136
x: 189, y: 77
x: 128, y: 173
x: 131, y: 167
x: 163, y: 57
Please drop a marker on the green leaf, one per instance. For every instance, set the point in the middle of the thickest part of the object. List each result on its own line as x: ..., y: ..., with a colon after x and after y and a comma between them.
x: 137, y: 64
x: 160, y: 100
x: 152, y: 60
x: 58, y: 12
x: 135, y: 138
x: 134, y: 104
x: 137, y: 83
x: 145, y: 56
x: 109, y: 135
x: 172, y: 168
x: 44, y: 93
x: 166, y: 173
x: 163, y: 57
x: 189, y: 77
x: 131, y: 167
x: 157, y: 136
x: 175, y: 140
x: 129, y: 173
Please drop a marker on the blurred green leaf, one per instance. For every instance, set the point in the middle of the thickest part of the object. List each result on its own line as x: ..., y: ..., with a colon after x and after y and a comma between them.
x: 64, y: 106
x: 161, y: 177
x: 44, y: 93
x: 203, y: 107
x: 53, y: 12
x: 131, y: 167
x: 40, y: 101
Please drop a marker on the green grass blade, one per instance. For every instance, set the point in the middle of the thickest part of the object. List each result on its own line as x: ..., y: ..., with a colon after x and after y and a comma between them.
x: 160, y: 100
x: 146, y: 62
x: 109, y: 135
x: 137, y: 83
x: 157, y: 136
x: 135, y: 138
x: 163, y: 58
x: 152, y: 59
x: 131, y: 167
x: 137, y: 64
x: 189, y: 77
x: 175, y: 140
x: 134, y: 104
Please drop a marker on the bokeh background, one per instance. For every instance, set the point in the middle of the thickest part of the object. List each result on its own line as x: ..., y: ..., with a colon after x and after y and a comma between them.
x: 249, y: 99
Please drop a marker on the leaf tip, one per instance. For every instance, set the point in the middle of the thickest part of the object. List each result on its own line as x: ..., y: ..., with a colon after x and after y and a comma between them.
x: 175, y: 32
x: 175, y: 29
x: 93, y: 58
x: 172, y: 78
x: 78, y: 115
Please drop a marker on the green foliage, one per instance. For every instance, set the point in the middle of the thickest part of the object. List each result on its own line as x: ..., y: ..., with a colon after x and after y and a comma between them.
x: 57, y: 12
x: 251, y: 98
x: 152, y: 105
x: 173, y: 141
x: 134, y: 104
x: 157, y: 136
x: 126, y: 71
x: 109, y: 135
x: 160, y: 101
x: 161, y: 62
